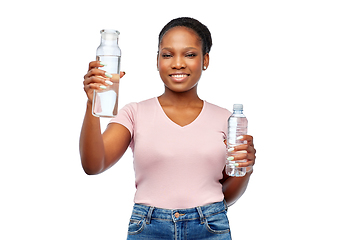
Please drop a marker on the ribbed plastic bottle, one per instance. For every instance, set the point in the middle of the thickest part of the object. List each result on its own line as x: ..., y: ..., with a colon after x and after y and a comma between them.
x: 237, y: 126
x: 105, y: 101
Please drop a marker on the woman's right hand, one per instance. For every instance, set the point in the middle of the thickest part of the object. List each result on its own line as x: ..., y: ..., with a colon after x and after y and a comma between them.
x: 96, y: 79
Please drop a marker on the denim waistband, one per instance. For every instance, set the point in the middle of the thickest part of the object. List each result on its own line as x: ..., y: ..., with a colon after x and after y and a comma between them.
x: 176, y: 215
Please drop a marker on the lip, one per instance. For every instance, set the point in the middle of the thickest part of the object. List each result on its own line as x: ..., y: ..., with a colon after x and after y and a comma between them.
x: 179, y: 77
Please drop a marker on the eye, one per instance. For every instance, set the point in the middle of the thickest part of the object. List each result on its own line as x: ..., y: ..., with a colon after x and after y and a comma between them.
x: 191, y: 55
x: 166, y: 55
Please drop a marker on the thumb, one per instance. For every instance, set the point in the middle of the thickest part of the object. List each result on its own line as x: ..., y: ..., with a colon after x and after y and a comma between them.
x: 122, y: 74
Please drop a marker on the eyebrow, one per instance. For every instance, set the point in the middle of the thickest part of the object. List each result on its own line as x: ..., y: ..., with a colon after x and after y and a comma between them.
x: 187, y: 48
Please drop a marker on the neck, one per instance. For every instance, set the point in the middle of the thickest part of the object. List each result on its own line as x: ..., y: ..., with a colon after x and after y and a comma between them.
x: 181, y: 99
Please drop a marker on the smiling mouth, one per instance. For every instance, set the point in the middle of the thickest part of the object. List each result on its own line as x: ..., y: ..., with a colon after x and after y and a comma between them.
x: 179, y: 77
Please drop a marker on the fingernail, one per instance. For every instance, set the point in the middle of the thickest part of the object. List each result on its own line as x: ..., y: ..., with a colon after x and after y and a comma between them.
x: 231, y: 149
x: 233, y: 164
x: 103, y: 87
x: 108, y: 75
x: 230, y: 158
x: 109, y: 82
x: 103, y: 64
x: 240, y: 137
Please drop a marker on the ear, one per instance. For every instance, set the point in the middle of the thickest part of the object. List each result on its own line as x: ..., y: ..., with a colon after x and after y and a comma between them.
x: 206, y: 61
x: 157, y: 61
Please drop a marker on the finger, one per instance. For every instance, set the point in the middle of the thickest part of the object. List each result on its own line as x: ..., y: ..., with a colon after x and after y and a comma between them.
x: 97, y: 86
x: 246, y: 147
x: 250, y: 160
x: 89, y: 88
x: 96, y: 72
x: 109, y: 79
x: 239, y: 148
x: 122, y: 74
x: 238, y: 156
x: 97, y: 79
x: 247, y: 138
x: 244, y: 162
x: 95, y: 64
x: 94, y: 86
x: 241, y: 156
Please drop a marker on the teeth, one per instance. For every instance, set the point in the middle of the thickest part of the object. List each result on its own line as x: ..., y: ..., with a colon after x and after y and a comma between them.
x: 179, y: 76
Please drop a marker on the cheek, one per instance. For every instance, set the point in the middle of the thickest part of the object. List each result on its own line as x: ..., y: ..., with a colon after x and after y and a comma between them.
x: 163, y: 70
x: 195, y: 66
x: 162, y: 66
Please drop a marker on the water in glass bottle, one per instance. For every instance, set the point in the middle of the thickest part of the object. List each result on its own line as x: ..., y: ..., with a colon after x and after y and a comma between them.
x: 105, y: 101
x: 237, y: 126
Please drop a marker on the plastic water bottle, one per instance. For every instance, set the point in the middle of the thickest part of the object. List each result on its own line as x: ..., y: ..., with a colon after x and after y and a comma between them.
x: 237, y: 126
x: 105, y: 101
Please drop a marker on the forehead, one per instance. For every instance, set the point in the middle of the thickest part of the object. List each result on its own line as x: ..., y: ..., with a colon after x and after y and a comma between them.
x: 180, y: 36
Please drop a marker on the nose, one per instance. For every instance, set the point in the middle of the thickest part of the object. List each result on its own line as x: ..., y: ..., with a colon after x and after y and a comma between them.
x: 178, y: 63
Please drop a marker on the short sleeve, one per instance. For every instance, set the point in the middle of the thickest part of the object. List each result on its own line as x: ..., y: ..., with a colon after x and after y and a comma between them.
x: 126, y: 117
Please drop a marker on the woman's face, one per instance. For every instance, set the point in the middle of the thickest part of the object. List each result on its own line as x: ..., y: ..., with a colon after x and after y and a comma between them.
x: 180, y: 59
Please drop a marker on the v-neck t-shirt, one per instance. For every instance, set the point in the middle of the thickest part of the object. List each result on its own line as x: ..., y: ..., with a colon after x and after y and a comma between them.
x: 176, y: 166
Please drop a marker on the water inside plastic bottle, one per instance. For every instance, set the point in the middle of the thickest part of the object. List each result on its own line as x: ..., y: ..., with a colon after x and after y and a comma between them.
x: 105, y: 102
x: 237, y: 126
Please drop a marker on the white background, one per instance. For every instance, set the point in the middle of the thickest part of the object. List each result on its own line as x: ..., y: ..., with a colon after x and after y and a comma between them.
x: 293, y: 64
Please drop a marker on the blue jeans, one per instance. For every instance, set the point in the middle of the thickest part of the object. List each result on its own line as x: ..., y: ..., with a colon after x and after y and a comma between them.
x: 206, y: 222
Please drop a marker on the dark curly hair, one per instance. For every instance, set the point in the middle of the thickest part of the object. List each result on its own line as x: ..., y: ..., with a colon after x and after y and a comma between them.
x: 200, y: 29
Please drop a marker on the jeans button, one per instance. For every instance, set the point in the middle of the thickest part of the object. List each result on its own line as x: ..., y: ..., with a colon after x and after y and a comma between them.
x: 177, y: 215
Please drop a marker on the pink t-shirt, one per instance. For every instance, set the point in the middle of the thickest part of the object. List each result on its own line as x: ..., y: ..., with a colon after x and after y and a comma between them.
x: 176, y: 167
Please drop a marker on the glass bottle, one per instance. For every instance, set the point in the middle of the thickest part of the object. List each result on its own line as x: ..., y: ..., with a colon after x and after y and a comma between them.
x: 105, y: 101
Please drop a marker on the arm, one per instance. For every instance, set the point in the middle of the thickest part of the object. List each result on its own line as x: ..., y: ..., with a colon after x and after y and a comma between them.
x: 100, y: 151
x: 234, y: 187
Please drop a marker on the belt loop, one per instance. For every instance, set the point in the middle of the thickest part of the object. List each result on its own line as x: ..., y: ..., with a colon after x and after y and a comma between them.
x: 202, y: 218
x: 226, y: 206
x: 148, y: 218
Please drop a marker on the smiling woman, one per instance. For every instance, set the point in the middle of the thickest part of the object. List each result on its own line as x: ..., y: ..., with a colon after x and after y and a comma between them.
x: 164, y: 134
x: 180, y: 60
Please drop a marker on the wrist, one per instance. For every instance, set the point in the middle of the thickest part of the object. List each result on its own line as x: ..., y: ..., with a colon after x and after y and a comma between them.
x: 89, y: 103
x: 89, y: 107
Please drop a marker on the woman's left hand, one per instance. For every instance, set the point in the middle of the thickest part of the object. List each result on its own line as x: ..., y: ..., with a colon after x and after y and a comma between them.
x: 245, y: 152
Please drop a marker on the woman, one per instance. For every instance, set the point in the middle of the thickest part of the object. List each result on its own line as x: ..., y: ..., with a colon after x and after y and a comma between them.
x: 178, y: 144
